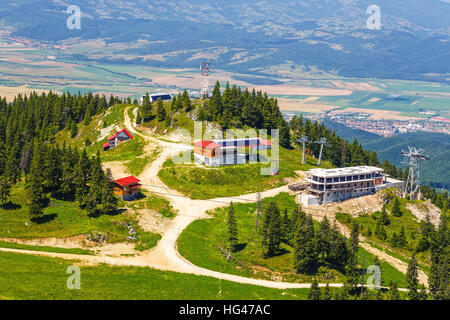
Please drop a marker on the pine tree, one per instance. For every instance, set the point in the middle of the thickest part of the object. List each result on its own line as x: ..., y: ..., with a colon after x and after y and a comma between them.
x: 326, y: 294
x: 396, y: 211
x: 352, y: 274
x: 5, y: 190
x: 305, y: 256
x: 108, y: 200
x: 412, y: 278
x: 232, y: 228
x: 274, y: 230
x: 402, y: 242
x: 394, y: 294
x: 314, y: 292
x: 187, y: 105
x: 285, y: 226
x: 146, y: 108
x: 422, y: 295
x: 384, y: 219
x: 36, y: 195
x: 160, y: 111
x: 339, y: 254
x: 354, y: 238
x: 323, y: 238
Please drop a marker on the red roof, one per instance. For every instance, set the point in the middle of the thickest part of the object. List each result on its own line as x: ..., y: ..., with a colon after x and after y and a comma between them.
x: 105, y: 145
x: 118, y: 132
x: 206, y: 144
x: 127, y: 181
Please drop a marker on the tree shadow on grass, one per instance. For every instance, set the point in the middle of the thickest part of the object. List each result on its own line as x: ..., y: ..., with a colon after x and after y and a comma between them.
x: 239, y: 247
x: 11, y: 206
x: 281, y: 252
x: 139, y: 196
x: 44, y: 219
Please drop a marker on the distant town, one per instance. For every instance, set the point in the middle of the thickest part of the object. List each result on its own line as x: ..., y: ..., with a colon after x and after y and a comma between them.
x: 382, y: 127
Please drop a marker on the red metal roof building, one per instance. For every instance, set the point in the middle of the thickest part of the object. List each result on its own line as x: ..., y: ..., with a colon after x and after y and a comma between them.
x: 118, y: 137
x: 127, y: 188
x: 222, y: 152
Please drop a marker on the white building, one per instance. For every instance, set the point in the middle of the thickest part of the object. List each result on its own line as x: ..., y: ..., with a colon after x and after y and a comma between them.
x: 330, y: 185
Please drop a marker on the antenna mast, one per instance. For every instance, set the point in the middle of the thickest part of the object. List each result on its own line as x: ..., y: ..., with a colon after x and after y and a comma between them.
x: 205, y: 68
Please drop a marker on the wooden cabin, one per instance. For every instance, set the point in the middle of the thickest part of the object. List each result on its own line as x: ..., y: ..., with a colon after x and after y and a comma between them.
x: 114, y: 140
x: 127, y: 188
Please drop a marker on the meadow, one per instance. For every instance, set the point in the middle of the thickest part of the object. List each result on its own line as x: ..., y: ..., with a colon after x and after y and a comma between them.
x: 32, y: 277
x: 201, y: 241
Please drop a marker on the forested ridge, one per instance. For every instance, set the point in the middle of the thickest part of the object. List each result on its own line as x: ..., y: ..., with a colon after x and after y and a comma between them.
x: 28, y: 151
x: 29, y: 124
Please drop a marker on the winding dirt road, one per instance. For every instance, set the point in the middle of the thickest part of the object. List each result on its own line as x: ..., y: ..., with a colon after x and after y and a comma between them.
x: 165, y: 255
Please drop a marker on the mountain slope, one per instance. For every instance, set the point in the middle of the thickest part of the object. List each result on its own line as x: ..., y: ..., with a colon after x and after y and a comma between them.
x: 331, y: 35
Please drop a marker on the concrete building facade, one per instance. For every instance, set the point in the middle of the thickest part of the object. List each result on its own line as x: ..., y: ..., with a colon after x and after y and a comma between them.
x: 331, y: 185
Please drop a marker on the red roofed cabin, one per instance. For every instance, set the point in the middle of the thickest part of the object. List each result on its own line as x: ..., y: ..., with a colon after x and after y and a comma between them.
x: 127, y: 187
x: 114, y: 140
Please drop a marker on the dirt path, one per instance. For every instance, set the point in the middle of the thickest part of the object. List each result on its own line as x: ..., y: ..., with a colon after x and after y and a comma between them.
x: 165, y: 255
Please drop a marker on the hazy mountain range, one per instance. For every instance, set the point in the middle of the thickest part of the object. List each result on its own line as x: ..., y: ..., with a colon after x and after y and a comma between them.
x: 249, y: 36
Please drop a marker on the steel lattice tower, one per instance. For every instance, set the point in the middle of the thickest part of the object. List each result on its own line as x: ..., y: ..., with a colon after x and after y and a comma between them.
x: 205, y: 68
x: 412, y: 158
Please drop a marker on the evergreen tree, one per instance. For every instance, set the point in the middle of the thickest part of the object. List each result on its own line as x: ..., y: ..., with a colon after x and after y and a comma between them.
x: 396, y: 211
x: 5, y: 190
x: 37, y: 198
x: 285, y: 226
x: 314, y: 292
x: 274, y: 230
x: 108, y: 200
x: 146, y: 108
x: 394, y: 294
x: 232, y: 228
x: 323, y: 239
x: 384, y: 219
x: 422, y: 295
x: 160, y: 111
x: 339, y: 254
x: 305, y: 256
x: 354, y: 238
x: 352, y: 274
x: 412, y: 278
x: 326, y: 294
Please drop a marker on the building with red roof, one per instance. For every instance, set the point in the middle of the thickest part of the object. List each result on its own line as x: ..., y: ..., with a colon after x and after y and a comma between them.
x: 222, y: 152
x: 127, y: 188
x: 116, y: 139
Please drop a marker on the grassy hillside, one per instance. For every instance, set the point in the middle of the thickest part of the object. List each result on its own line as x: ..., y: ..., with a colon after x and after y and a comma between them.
x: 64, y: 219
x: 205, y: 183
x: 200, y: 243
x: 45, y: 278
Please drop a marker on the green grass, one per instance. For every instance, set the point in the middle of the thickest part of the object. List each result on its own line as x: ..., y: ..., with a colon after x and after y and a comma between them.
x: 31, y: 277
x: 61, y: 219
x: 137, y: 165
x: 154, y: 202
x: 207, y: 183
x: 147, y: 240
x: 127, y: 150
x: 408, y: 221
x: 199, y: 244
x: 13, y: 245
